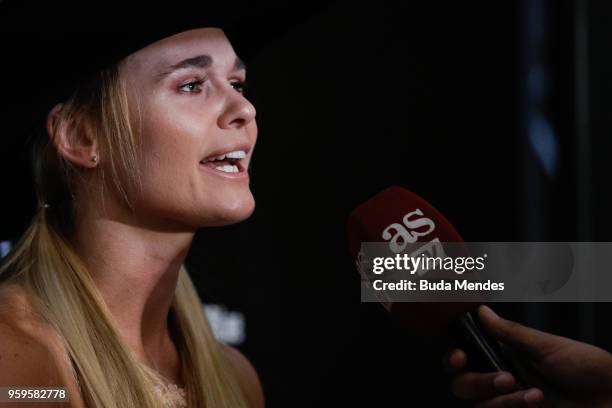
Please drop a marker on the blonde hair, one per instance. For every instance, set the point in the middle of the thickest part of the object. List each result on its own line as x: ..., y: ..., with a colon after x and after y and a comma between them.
x: 45, y: 263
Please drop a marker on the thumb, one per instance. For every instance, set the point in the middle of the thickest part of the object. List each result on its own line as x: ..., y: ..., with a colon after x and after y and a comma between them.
x: 532, y: 342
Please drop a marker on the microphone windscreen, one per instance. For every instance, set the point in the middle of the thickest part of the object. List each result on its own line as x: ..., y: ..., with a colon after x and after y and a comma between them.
x: 368, y: 222
x: 392, y: 216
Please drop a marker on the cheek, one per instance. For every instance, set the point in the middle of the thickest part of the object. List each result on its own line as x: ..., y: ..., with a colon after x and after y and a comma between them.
x: 175, y: 132
x: 172, y: 142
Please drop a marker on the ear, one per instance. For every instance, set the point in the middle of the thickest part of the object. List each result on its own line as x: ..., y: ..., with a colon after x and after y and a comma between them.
x: 73, y: 139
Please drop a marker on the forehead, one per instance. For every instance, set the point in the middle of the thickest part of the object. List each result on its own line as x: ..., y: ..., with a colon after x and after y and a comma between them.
x: 168, y: 51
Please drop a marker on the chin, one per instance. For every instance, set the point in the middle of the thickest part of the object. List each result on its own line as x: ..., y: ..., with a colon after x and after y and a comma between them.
x: 224, y: 214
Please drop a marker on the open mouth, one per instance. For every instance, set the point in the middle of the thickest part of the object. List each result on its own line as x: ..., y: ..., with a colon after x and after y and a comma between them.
x: 230, y: 162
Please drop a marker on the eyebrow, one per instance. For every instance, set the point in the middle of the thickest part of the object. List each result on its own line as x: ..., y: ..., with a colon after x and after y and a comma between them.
x: 199, y: 61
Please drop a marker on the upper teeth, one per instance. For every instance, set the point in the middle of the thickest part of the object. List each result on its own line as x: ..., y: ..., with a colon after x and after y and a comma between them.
x: 236, y: 154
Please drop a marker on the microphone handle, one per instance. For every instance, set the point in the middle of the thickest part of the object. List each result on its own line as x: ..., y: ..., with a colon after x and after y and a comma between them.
x: 488, y: 351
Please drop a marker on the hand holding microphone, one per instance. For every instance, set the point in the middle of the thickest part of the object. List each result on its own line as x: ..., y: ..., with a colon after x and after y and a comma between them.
x: 565, y: 372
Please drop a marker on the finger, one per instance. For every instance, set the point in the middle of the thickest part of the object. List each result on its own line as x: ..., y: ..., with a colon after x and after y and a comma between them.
x: 479, y: 386
x: 526, y: 369
x: 454, y: 360
x: 530, y: 398
x: 534, y: 343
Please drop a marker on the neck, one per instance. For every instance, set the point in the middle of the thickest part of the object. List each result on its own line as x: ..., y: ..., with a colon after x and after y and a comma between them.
x: 136, y: 270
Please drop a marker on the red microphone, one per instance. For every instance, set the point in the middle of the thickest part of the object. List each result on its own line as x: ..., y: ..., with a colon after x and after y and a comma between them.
x: 400, y: 218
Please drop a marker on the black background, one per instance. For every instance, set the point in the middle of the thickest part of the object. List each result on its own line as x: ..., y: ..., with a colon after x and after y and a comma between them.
x: 357, y: 97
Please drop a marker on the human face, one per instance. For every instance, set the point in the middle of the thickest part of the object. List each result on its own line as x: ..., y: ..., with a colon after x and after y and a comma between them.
x: 192, y: 110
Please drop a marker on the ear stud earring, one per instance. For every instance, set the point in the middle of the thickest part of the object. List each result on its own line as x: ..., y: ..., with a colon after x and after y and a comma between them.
x: 94, y: 159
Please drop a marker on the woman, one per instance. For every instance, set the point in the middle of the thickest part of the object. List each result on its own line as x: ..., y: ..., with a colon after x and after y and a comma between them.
x: 95, y: 296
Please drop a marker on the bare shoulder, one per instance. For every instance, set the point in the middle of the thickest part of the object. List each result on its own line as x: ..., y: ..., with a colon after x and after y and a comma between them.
x: 249, y: 380
x: 30, y: 352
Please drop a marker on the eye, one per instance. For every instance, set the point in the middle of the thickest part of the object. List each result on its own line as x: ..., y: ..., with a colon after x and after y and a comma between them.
x: 241, y: 86
x: 193, y: 86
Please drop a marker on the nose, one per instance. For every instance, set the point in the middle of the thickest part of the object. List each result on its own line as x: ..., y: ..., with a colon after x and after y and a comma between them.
x: 238, y: 111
